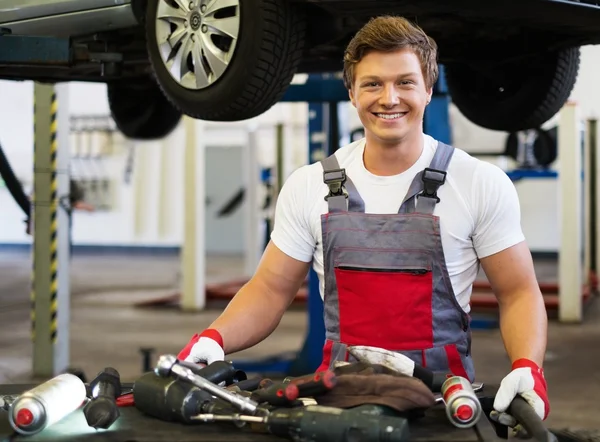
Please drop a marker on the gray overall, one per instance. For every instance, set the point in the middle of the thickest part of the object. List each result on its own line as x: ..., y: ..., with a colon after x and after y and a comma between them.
x: 386, y: 281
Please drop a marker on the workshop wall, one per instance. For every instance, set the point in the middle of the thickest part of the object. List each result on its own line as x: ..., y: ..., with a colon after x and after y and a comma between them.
x: 146, y: 182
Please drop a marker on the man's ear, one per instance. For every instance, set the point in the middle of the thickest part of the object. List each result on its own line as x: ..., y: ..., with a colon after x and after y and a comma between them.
x: 351, y: 95
x: 429, y: 94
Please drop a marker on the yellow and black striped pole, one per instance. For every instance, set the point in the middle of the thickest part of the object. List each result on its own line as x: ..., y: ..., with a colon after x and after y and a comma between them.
x: 53, y: 216
x: 50, y: 346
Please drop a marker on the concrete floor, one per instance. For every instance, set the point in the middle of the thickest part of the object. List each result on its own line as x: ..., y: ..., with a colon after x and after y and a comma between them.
x: 108, y: 329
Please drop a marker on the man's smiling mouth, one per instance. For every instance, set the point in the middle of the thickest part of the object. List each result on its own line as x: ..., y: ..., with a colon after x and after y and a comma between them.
x: 395, y: 116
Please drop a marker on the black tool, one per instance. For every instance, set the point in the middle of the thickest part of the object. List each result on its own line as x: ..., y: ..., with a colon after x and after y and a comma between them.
x: 216, y: 372
x: 247, y: 384
x: 325, y: 424
x: 314, y: 384
x: 329, y: 424
x: 277, y: 394
x: 529, y: 420
x: 168, y: 399
x: 169, y: 366
x: 102, y: 410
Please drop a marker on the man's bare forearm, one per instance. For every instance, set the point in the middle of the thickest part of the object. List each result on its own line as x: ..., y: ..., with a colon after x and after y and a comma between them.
x: 251, y: 316
x: 524, y: 325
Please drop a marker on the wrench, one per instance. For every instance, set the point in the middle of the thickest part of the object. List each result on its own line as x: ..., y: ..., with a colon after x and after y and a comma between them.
x: 168, y: 365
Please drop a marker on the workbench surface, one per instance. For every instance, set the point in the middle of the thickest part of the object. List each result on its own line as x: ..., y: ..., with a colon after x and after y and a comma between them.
x: 133, y: 426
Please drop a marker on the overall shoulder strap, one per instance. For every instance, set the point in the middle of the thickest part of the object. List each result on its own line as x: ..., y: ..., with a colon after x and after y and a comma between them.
x: 342, y: 195
x: 423, y: 189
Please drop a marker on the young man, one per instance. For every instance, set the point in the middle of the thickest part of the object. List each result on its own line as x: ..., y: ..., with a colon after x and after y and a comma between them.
x: 396, y: 226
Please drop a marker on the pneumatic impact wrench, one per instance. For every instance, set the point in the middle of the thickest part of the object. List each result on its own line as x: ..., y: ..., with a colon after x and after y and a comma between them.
x: 311, y: 423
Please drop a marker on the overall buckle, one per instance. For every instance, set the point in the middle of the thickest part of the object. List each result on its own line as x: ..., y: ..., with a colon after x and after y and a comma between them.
x: 335, y: 179
x: 432, y: 180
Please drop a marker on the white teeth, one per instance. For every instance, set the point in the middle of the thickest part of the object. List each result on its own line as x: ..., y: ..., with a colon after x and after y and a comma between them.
x: 390, y: 116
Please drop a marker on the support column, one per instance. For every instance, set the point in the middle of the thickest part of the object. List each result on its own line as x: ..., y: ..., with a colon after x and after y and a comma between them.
x: 253, y: 236
x: 193, y: 244
x: 589, y: 205
x: 50, y: 293
x: 570, y: 210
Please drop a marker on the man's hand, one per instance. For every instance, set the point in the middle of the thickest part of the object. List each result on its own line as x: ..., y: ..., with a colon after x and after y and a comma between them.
x: 203, y: 348
x: 526, y: 380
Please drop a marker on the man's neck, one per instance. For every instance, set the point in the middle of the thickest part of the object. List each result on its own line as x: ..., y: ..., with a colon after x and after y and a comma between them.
x: 387, y: 160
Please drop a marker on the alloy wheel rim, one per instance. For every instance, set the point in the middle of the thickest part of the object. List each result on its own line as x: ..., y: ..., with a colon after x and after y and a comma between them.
x: 197, y: 39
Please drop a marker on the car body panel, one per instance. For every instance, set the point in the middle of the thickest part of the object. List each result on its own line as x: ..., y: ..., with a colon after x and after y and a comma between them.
x: 17, y: 10
x: 75, y: 23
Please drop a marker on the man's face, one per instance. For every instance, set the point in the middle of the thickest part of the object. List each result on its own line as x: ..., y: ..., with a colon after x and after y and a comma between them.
x: 390, y: 95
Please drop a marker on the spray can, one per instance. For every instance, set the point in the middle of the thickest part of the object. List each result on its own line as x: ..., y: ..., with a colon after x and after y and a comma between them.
x: 46, y: 404
x: 462, y: 404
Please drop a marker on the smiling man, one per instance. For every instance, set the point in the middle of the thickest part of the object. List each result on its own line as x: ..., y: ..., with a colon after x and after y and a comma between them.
x: 396, y: 225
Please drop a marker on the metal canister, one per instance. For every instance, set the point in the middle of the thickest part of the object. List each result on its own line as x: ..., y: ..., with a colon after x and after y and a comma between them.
x: 46, y: 404
x: 462, y: 404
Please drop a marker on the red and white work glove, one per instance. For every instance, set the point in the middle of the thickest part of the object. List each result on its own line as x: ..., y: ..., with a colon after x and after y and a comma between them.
x: 203, y: 348
x: 526, y: 380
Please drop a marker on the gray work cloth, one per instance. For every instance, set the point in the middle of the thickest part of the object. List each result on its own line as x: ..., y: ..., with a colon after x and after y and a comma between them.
x: 386, y: 281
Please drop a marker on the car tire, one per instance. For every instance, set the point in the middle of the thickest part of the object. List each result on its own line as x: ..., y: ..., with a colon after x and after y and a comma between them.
x: 531, y: 93
x: 260, y: 62
x: 140, y: 109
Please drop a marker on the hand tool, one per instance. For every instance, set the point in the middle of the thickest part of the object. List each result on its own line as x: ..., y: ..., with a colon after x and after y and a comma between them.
x: 277, y: 394
x: 46, y: 404
x: 400, y: 363
x: 168, y: 365
x: 314, y: 384
x: 462, y: 404
x: 102, y: 410
x: 216, y: 372
x: 246, y: 384
x: 168, y: 399
x: 324, y: 424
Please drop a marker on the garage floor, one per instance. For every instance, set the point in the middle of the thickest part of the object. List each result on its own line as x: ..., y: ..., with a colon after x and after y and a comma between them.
x: 107, y: 329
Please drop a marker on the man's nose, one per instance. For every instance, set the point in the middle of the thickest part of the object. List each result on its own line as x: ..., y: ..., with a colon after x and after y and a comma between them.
x: 389, y: 96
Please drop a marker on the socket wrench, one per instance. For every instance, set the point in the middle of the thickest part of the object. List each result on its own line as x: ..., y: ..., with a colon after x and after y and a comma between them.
x: 168, y: 365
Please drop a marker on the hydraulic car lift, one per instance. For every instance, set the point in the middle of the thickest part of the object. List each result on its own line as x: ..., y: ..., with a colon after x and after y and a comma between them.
x: 49, y: 214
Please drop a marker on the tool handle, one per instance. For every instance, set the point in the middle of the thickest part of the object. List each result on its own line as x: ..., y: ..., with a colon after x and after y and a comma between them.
x: 278, y: 394
x: 528, y: 418
x: 217, y: 372
x: 321, y: 383
x: 248, y: 384
x: 433, y: 380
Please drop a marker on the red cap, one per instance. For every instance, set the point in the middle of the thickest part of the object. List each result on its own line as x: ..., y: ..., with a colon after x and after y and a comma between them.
x: 24, y: 417
x: 464, y: 412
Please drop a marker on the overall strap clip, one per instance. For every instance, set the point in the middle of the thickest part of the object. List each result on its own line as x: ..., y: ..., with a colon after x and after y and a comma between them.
x: 432, y: 180
x: 335, y: 179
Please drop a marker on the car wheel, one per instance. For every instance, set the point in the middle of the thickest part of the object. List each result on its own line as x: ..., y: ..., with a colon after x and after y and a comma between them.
x: 224, y: 60
x: 514, y: 96
x: 140, y: 109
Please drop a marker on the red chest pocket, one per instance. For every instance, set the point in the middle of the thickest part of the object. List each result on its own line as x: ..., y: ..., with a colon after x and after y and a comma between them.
x: 385, y: 306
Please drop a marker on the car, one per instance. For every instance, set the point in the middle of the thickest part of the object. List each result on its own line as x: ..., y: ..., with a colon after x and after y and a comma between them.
x: 509, y: 66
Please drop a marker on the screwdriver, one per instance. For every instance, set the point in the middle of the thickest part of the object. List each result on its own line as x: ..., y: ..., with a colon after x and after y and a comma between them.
x: 314, y: 384
x: 277, y: 394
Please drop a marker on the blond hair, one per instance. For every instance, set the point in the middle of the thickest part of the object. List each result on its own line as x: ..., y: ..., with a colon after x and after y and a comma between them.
x: 387, y: 34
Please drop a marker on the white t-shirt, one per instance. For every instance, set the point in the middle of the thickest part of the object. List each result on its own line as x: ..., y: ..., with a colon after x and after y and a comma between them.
x: 479, y: 210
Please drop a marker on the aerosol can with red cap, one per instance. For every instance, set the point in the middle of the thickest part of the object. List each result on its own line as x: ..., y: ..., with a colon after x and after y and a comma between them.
x: 46, y: 404
x: 462, y: 404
